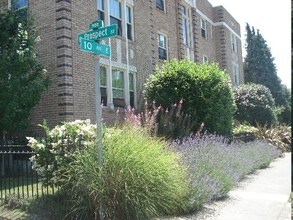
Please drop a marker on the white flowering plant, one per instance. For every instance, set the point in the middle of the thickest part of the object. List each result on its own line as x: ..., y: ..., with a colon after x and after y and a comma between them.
x: 57, y: 150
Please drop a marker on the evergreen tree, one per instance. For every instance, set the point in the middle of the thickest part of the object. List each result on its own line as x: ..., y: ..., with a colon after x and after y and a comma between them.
x: 22, y: 77
x: 259, y: 67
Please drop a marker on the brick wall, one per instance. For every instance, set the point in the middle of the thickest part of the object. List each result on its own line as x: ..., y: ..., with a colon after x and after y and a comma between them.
x: 72, y: 93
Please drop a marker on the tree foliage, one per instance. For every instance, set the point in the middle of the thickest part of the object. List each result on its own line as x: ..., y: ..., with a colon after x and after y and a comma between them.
x: 259, y: 68
x: 204, y: 89
x: 22, y: 77
x: 255, y: 104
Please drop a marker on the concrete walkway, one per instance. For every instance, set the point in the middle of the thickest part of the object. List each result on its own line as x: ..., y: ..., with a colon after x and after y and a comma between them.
x: 263, y: 195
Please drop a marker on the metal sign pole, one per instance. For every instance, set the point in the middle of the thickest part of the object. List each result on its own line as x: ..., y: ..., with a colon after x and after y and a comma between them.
x: 99, y: 121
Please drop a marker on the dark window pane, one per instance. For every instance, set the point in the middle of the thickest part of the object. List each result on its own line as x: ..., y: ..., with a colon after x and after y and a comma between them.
x: 118, y: 22
x: 129, y: 31
x: 203, y: 33
x: 162, y: 54
x: 104, y: 96
x: 131, y: 95
x: 101, y: 16
x: 160, y: 4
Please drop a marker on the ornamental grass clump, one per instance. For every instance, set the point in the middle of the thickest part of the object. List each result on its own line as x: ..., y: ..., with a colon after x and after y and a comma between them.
x: 140, y: 178
x: 215, y: 166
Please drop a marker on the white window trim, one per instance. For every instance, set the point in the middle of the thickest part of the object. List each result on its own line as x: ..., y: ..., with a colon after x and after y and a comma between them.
x: 164, y: 35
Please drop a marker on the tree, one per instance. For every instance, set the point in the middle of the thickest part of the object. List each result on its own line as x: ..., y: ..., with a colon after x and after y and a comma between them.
x: 259, y: 68
x: 22, y: 77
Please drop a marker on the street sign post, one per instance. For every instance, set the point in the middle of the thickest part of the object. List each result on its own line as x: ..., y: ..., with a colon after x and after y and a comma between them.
x: 99, y: 34
x: 87, y: 43
x: 93, y: 47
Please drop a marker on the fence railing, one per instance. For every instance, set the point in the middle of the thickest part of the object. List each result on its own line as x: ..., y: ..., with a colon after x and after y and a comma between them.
x: 17, y: 178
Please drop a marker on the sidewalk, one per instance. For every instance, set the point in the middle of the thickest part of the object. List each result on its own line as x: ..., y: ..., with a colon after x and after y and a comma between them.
x: 261, y: 196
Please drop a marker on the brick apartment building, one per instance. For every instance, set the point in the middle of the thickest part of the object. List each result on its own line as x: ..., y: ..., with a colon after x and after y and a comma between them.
x: 149, y: 32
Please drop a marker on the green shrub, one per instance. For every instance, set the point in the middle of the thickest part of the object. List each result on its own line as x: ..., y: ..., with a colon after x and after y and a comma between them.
x: 139, y: 179
x: 255, y: 104
x: 204, y: 89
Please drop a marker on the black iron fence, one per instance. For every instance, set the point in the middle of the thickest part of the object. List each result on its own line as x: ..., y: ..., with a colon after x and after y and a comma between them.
x: 17, y: 178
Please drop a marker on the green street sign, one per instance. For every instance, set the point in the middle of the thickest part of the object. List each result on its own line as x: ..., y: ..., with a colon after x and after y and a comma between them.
x: 96, y: 25
x: 93, y: 47
x: 99, y: 34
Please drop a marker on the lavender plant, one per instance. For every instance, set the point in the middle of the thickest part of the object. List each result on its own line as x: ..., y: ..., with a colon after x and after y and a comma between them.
x: 215, y: 166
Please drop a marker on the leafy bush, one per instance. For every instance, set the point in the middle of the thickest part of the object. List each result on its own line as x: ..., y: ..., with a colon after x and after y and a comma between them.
x: 138, y: 180
x: 215, y: 166
x: 255, y: 104
x: 57, y: 149
x: 244, y: 129
x: 204, y: 89
x: 279, y: 136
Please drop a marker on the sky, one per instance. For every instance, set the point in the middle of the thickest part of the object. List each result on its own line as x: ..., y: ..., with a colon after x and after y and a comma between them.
x: 273, y: 19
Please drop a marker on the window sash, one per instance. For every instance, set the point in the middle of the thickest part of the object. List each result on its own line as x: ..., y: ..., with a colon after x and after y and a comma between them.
x: 234, y: 43
x: 160, y: 4
x: 185, y: 31
x: 131, y: 82
x: 19, y: 4
x: 103, y: 77
x: 203, y: 26
x: 162, y: 41
x: 115, y: 9
x: 162, y: 49
x: 162, y: 53
x: 117, y: 79
x: 100, y: 5
x: 114, y: 20
x: 129, y: 22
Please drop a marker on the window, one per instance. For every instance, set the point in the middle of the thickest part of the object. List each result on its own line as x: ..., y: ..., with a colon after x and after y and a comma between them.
x: 203, y: 27
x: 160, y: 4
x: 205, y: 59
x: 118, y: 88
x: 131, y: 89
x: 103, y: 85
x: 115, y: 15
x: 129, y: 22
x: 20, y: 6
x: 234, y: 43
x: 101, y: 10
x: 162, y: 41
x: 185, y: 25
x: 235, y: 75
